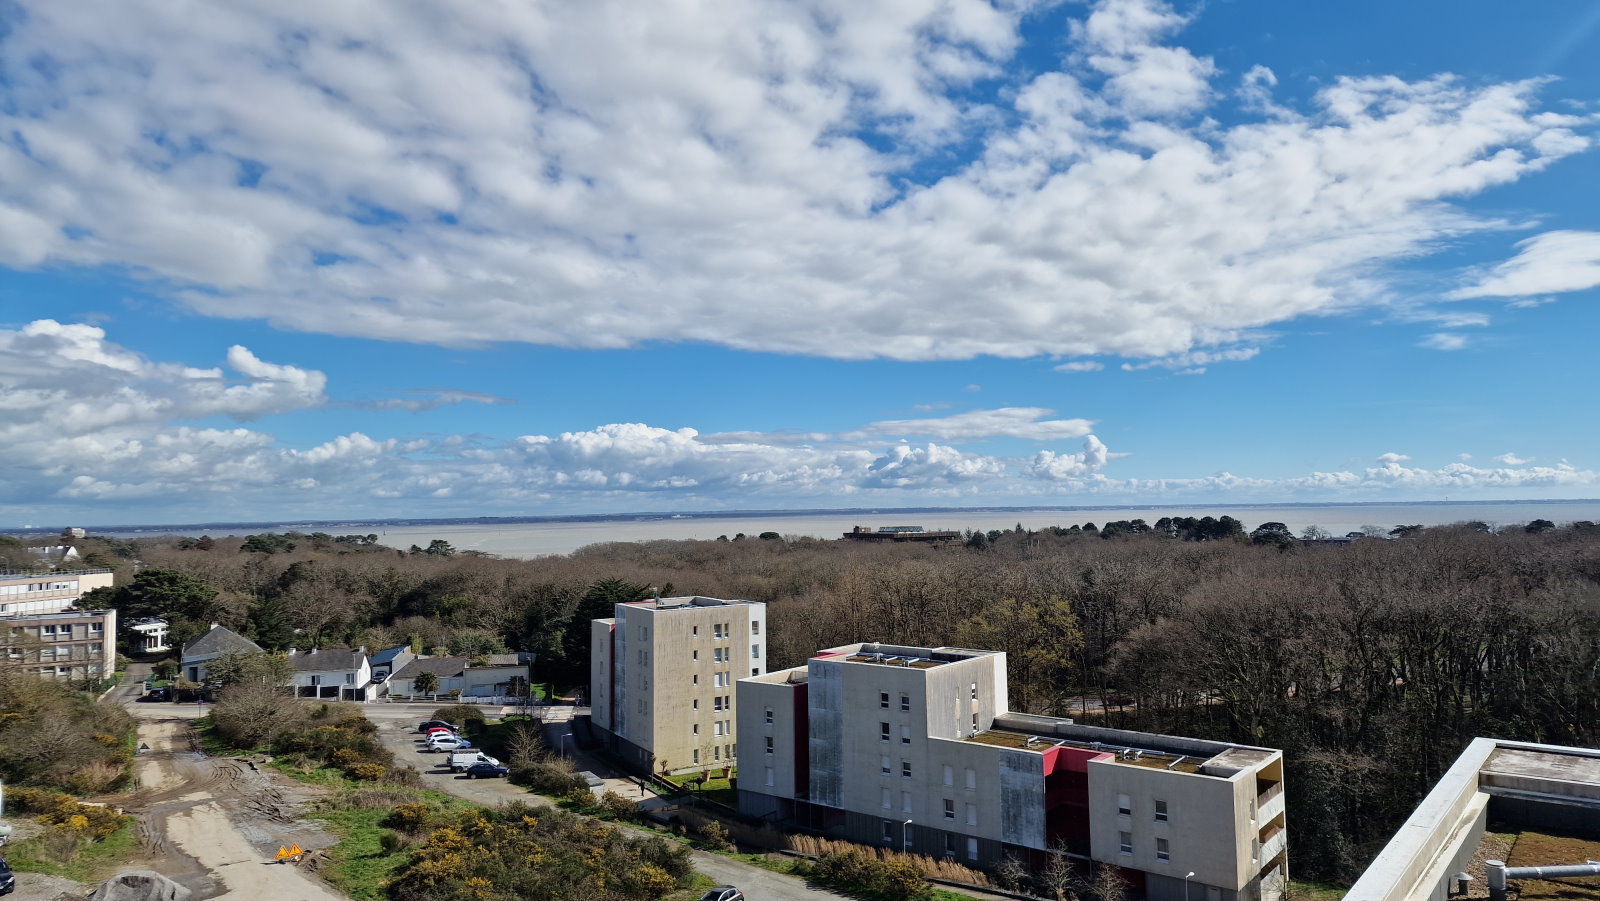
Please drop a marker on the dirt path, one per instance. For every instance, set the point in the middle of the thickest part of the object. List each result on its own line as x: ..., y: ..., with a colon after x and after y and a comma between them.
x: 214, y: 823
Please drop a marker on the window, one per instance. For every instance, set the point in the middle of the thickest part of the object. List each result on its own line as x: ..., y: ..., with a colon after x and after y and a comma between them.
x: 905, y: 702
x: 972, y: 780
x: 1161, y: 811
x: 949, y: 809
x: 885, y: 766
x: 716, y: 703
x: 96, y: 628
x: 716, y: 752
x: 884, y: 796
x: 1162, y: 853
x: 696, y: 756
x: 888, y: 828
x: 905, y: 802
x: 905, y: 735
x: 755, y: 627
x: 755, y: 652
x: 694, y: 631
x: 972, y: 849
x: 767, y: 713
x: 694, y: 655
x: 1124, y: 806
x: 769, y: 744
x: 905, y: 769
x: 950, y: 846
x: 972, y: 814
x: 716, y: 630
x: 717, y: 727
x: 716, y: 655
x: 755, y: 670
x: 769, y: 776
x: 51, y: 630
x: 974, y: 691
x: 949, y: 775
x: 883, y: 700
x: 643, y: 657
x: 316, y: 680
x: 1125, y: 842
x: 350, y: 679
x: 696, y: 703
x: 974, y: 722
x: 695, y: 679
x: 883, y: 732
x: 695, y: 729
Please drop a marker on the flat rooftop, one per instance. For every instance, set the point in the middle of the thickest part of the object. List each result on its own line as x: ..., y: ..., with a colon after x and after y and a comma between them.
x: 1155, y: 760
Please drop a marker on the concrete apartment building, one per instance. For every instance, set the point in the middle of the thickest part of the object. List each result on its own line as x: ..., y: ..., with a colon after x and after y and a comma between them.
x: 914, y: 748
x: 1513, y: 786
x: 67, y: 644
x: 23, y: 593
x: 662, y: 679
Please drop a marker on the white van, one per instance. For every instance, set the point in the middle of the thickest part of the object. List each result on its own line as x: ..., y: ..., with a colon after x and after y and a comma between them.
x: 460, y: 760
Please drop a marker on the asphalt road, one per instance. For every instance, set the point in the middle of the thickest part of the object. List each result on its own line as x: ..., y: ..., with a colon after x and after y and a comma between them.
x: 396, y: 728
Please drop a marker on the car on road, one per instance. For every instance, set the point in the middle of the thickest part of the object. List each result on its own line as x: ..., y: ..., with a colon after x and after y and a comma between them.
x: 8, y: 880
x: 440, y: 723
x: 723, y: 893
x: 488, y: 771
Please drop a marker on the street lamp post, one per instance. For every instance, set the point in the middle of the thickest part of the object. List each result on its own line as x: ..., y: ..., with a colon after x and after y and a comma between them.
x: 1186, y: 884
x: 905, y: 837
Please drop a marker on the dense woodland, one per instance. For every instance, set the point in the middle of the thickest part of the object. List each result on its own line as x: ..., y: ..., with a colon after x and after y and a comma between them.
x: 1371, y: 663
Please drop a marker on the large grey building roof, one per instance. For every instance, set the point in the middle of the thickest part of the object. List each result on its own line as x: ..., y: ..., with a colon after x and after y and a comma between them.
x: 220, y: 640
x: 328, y: 660
x: 439, y: 666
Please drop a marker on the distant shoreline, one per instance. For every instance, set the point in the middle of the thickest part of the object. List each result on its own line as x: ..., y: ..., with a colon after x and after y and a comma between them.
x: 331, y: 525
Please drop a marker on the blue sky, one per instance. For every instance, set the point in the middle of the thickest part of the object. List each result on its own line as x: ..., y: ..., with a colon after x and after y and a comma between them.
x: 356, y: 260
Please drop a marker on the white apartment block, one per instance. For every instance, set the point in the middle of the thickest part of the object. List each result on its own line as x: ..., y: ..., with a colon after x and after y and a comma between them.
x: 662, y: 679
x: 915, y: 749
x: 25, y: 593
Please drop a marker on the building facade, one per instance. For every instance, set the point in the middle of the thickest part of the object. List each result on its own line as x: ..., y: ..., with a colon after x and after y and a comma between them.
x: 24, y: 593
x: 342, y: 674
x: 914, y: 748
x: 68, y: 644
x: 662, y: 677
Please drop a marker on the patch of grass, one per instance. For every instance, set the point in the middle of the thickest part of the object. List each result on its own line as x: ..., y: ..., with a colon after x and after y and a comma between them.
x: 1537, y: 849
x: 715, y: 788
x: 944, y: 894
x: 95, y: 862
x: 206, y: 733
x: 1314, y: 891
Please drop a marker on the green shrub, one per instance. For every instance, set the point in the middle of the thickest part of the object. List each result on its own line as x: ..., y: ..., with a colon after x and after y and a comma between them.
x: 56, y: 809
x: 618, y: 806
x: 412, y: 818
x: 868, y: 877
x: 367, y: 772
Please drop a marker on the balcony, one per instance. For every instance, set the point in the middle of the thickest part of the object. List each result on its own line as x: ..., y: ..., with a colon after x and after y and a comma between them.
x: 1270, y: 844
x: 1270, y: 803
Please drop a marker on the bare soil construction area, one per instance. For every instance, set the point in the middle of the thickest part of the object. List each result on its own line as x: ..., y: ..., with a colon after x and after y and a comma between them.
x: 213, y: 824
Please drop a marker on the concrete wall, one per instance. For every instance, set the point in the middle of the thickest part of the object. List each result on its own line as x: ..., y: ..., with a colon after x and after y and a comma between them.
x: 1208, y: 828
x: 755, y: 698
x: 601, y: 697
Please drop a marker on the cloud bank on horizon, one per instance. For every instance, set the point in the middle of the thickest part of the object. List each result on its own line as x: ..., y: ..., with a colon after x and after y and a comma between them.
x: 822, y: 179
x: 96, y: 424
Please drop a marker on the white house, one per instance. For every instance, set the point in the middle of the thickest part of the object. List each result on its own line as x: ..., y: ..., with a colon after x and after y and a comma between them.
x: 152, y: 635
x: 343, y: 674
x: 454, y: 674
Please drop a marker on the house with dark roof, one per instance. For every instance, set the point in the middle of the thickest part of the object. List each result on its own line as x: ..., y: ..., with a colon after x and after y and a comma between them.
x: 343, y: 674
x: 208, y: 647
x: 456, y: 674
x: 389, y: 661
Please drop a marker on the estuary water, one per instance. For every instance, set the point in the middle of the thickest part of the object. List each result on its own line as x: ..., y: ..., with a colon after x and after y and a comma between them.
x: 509, y: 538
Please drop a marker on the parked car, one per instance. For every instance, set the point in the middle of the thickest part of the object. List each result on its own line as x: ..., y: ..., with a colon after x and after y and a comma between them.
x: 460, y: 760
x: 487, y: 771
x: 8, y: 880
x: 447, y: 744
x: 432, y: 723
x: 723, y: 893
x: 440, y: 730
x: 379, y: 678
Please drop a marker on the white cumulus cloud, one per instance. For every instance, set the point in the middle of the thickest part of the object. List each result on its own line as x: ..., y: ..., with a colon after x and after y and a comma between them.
x: 1551, y: 263
x: 750, y: 173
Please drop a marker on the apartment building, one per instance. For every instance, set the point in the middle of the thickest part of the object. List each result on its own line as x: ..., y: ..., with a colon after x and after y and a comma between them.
x: 24, y: 593
x: 915, y: 748
x: 662, y: 679
x: 1495, y: 786
x: 67, y: 644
